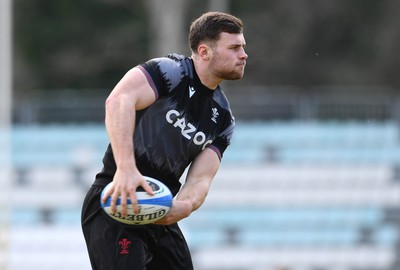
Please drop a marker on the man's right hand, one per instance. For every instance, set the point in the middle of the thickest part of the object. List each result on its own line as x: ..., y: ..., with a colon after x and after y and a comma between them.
x: 124, y: 185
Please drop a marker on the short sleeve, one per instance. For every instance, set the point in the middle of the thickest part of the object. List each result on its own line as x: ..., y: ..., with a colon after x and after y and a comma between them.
x: 223, y: 140
x: 163, y: 74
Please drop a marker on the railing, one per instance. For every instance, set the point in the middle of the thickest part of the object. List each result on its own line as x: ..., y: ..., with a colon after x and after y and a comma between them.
x: 341, y: 103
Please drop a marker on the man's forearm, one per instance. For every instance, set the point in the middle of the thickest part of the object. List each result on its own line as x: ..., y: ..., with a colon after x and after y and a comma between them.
x: 120, y: 119
x: 195, y: 193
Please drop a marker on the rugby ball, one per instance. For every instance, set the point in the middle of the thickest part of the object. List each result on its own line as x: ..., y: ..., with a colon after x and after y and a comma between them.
x: 151, y: 207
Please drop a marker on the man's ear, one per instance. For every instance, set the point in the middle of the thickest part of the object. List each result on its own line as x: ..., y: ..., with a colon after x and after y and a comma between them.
x: 204, y: 51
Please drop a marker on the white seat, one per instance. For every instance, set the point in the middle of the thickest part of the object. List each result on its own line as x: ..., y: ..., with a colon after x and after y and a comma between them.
x: 42, y: 198
x: 47, y: 248
x: 50, y: 177
x: 385, y: 197
x: 296, y: 258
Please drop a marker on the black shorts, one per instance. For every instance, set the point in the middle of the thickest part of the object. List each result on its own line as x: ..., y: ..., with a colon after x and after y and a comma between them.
x: 116, y: 246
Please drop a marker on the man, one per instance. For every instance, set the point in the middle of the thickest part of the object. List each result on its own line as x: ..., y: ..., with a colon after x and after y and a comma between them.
x: 177, y: 115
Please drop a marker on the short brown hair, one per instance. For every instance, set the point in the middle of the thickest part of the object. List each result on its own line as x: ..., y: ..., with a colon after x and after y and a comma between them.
x: 210, y: 25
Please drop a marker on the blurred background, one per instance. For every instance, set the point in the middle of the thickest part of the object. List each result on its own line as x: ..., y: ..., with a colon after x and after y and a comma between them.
x: 311, y: 180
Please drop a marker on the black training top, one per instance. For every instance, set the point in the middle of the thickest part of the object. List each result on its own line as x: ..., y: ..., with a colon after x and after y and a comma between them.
x: 186, y: 118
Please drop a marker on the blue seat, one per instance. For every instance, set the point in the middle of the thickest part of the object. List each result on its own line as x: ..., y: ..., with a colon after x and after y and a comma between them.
x: 292, y: 142
x: 55, y: 145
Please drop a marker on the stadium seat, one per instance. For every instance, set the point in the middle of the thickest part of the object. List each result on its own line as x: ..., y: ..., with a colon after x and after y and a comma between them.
x: 300, y: 195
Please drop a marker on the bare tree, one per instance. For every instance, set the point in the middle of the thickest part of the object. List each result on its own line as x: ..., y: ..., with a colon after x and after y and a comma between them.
x: 167, y: 26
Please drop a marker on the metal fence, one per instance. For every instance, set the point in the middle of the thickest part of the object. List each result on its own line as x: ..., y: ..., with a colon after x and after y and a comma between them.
x: 342, y: 103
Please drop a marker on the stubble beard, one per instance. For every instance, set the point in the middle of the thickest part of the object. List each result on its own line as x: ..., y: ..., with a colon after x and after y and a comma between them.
x: 225, y: 72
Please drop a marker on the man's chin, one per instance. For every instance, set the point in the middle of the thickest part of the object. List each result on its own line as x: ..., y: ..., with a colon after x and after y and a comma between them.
x: 234, y: 77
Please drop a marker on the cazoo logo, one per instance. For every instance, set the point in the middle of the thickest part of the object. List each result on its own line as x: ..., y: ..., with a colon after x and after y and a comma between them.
x: 187, y: 130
